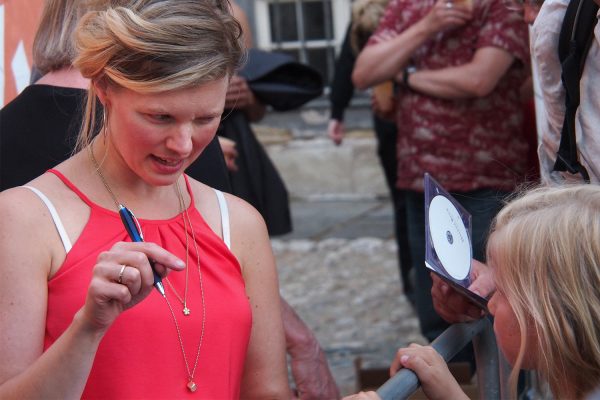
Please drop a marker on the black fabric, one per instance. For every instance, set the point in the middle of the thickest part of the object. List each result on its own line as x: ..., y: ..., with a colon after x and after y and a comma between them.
x: 342, y: 88
x: 38, y: 130
x: 278, y: 80
x: 575, y: 38
x: 256, y: 181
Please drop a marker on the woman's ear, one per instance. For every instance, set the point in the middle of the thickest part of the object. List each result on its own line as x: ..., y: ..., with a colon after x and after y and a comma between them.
x: 101, y: 89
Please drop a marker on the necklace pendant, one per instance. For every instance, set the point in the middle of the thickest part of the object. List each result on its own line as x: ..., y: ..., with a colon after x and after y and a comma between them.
x: 186, y: 311
x: 192, y: 386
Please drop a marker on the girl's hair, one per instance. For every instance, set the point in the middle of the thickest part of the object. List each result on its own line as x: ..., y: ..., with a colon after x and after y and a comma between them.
x: 152, y: 46
x: 546, y: 250
x: 365, y: 18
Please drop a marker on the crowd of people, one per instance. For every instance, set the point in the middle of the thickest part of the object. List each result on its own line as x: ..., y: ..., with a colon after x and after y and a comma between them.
x: 136, y: 272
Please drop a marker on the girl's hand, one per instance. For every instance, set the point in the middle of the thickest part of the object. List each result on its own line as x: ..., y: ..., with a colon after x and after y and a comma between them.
x: 431, y: 369
x: 363, y: 396
x: 122, y: 277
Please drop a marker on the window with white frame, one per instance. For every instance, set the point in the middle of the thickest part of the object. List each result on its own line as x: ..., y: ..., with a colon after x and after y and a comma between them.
x: 308, y: 30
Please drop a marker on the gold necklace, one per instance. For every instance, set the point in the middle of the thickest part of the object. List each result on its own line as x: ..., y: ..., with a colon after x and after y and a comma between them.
x: 186, y: 311
x: 191, y: 385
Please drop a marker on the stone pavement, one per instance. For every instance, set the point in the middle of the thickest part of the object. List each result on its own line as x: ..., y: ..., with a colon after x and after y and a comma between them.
x: 338, y: 269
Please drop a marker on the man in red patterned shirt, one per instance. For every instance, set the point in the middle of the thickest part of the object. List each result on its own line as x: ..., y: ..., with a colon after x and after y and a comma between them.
x: 459, y: 65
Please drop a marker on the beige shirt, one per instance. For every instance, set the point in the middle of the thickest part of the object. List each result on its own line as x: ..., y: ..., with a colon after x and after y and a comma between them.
x: 544, y: 51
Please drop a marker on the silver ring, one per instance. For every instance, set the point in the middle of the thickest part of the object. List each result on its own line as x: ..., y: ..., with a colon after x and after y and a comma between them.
x: 449, y: 5
x: 120, y: 280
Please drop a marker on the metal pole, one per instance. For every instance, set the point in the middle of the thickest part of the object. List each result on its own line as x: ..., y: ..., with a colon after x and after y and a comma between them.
x: 486, y: 358
x: 448, y: 344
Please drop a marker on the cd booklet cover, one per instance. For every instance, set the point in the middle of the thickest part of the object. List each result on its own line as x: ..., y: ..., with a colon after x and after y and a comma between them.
x: 448, y: 250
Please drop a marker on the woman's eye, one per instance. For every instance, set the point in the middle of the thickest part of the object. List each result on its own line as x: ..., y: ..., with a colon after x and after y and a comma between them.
x: 204, y: 120
x: 160, y: 117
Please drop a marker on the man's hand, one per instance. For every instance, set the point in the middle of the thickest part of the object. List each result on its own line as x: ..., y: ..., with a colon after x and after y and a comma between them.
x: 309, y: 364
x: 453, y: 306
x: 446, y: 15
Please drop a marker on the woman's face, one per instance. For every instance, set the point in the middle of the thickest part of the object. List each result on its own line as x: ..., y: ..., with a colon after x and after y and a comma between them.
x: 506, y: 325
x: 157, y: 136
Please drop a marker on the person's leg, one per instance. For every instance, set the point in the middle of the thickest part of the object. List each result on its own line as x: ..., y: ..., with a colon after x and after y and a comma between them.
x: 483, y: 205
x: 431, y: 324
x: 386, y: 133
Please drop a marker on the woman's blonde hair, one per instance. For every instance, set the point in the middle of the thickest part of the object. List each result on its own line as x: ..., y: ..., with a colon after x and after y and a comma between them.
x: 152, y: 46
x: 546, y: 250
x: 365, y: 18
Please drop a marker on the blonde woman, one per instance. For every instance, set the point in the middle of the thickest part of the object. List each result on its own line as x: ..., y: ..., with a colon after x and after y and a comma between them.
x: 80, y: 313
x: 544, y: 257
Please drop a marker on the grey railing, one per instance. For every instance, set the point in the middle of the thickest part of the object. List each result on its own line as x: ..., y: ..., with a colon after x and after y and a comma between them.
x: 490, y: 366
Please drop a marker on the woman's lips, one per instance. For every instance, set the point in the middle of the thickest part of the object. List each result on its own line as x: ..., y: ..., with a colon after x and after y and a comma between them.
x: 168, y: 165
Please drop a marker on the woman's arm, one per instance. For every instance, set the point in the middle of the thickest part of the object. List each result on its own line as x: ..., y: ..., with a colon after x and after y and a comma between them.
x: 25, y: 261
x: 27, y: 240
x: 265, y: 372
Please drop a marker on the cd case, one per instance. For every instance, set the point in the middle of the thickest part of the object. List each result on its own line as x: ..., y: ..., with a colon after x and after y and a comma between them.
x: 448, y: 249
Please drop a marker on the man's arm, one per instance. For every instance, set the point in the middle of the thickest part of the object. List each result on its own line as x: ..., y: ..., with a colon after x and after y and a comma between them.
x: 309, y: 365
x: 384, y: 60
x: 477, y: 78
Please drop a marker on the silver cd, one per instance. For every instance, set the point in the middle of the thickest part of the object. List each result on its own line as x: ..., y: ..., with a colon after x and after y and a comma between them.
x: 449, y: 236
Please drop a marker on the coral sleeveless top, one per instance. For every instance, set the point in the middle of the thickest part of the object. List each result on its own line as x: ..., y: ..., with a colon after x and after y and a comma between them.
x: 140, y: 357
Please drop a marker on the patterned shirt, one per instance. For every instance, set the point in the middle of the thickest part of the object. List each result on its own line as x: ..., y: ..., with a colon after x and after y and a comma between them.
x: 465, y: 144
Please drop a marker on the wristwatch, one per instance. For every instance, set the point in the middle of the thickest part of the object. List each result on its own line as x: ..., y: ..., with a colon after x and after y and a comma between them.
x: 406, y: 74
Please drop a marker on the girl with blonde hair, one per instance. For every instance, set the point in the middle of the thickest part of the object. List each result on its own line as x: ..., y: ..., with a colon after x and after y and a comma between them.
x: 80, y: 314
x: 544, y: 258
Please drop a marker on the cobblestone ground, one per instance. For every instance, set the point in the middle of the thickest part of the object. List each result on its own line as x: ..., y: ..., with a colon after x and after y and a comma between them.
x: 348, y: 291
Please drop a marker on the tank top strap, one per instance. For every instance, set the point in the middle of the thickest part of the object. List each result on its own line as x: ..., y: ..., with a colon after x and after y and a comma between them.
x: 74, y: 188
x: 60, y: 228
x: 188, y: 186
x: 224, y: 218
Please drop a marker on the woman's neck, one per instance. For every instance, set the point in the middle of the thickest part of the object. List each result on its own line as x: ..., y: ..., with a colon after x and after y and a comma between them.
x: 65, y: 77
x: 149, y: 202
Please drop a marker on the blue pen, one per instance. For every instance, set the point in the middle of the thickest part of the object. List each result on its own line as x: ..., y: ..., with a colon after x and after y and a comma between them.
x: 135, y: 233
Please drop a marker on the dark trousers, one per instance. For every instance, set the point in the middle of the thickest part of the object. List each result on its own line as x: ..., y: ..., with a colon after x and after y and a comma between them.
x: 483, y: 205
x: 386, y: 133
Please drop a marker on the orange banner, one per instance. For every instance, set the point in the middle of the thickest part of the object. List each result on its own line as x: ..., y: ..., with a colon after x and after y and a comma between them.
x: 18, y: 23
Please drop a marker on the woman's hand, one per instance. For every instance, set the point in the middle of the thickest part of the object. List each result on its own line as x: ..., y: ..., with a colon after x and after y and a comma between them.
x: 446, y: 15
x: 229, y: 152
x: 336, y: 131
x: 431, y: 369
x: 123, y: 277
x: 239, y: 95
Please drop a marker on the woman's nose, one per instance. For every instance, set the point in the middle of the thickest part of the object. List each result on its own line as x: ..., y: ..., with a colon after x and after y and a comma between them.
x: 180, y: 140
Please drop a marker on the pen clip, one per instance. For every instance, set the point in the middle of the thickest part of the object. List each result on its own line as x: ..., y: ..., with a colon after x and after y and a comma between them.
x: 128, y: 218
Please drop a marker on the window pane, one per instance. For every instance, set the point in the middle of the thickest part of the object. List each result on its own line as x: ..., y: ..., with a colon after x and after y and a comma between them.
x: 317, y: 20
x: 283, y: 21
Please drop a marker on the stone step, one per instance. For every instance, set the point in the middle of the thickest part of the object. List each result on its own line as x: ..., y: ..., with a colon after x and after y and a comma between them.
x: 315, y: 168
